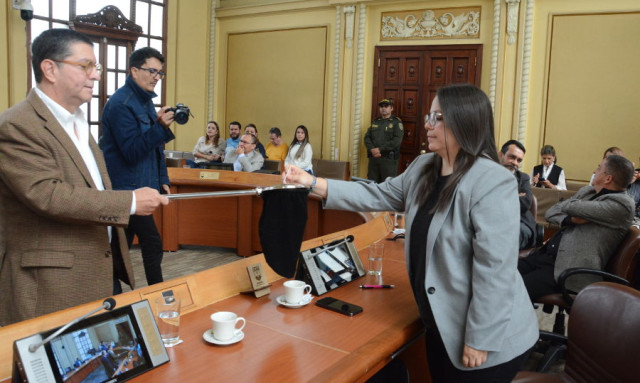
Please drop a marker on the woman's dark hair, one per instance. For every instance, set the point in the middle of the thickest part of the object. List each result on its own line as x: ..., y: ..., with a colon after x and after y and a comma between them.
x: 302, y: 144
x: 468, y: 115
x: 254, y: 128
x: 548, y: 150
x: 216, y: 138
x: 54, y: 44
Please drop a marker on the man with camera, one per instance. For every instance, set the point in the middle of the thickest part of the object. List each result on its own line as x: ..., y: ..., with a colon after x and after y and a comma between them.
x: 133, y: 138
x: 383, y: 140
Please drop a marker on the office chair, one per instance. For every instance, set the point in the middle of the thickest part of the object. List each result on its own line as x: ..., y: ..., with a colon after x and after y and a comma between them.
x: 620, y: 269
x: 603, y: 341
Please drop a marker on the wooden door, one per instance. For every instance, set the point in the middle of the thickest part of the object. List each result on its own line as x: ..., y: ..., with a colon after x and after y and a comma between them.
x: 411, y: 75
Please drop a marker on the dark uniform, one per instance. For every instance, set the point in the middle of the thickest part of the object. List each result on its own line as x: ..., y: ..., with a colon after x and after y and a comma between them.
x: 385, y: 134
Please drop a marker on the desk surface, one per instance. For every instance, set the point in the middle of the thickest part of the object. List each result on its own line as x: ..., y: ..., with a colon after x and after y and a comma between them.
x: 293, y: 345
x: 280, y: 344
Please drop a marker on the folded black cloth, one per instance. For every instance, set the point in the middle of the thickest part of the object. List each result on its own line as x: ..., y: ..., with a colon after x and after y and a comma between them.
x: 281, y: 227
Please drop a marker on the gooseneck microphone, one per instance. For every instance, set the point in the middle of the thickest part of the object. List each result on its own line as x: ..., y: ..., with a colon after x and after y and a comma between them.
x: 108, y: 304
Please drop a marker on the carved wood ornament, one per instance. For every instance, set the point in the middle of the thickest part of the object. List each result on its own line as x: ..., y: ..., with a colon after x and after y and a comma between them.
x: 108, y: 22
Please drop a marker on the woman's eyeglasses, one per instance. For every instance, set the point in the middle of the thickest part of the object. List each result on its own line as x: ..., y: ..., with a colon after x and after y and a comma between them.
x: 433, y: 118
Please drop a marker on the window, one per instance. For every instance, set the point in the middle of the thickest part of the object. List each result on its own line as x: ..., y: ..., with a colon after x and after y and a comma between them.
x: 113, y: 47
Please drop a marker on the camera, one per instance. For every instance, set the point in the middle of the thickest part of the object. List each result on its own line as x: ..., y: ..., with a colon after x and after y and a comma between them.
x: 181, y: 113
x: 25, y: 7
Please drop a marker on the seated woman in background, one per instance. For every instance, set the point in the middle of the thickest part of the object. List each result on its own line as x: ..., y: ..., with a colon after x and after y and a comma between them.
x: 209, y: 148
x: 548, y: 174
x: 251, y: 129
x: 300, y: 151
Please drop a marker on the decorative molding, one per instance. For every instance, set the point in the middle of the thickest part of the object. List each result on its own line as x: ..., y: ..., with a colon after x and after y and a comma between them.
x: 431, y: 24
x: 349, y: 16
x: 212, y: 60
x: 494, y: 53
x: 526, y: 67
x: 336, y: 83
x: 109, y: 17
x: 513, y: 8
x: 357, y: 110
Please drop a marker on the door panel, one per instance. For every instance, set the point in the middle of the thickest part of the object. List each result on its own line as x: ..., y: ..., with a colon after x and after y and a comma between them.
x: 411, y: 75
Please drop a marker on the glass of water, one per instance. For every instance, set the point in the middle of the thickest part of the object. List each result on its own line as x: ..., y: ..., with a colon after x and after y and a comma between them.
x: 168, y: 319
x: 376, y: 254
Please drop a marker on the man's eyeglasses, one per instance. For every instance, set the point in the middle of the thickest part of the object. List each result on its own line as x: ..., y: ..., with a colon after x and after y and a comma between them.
x: 433, y: 118
x: 88, y: 67
x: 154, y: 72
x: 246, y: 142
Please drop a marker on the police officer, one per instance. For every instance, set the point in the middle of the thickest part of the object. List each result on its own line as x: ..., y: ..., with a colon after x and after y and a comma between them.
x: 383, y: 141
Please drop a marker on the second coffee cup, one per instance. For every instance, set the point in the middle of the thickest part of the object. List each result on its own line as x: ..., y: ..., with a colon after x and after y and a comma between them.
x: 296, y: 292
x: 224, y: 325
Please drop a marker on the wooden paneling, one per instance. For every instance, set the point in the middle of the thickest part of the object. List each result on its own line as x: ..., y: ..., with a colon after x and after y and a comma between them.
x: 232, y: 221
x: 411, y: 75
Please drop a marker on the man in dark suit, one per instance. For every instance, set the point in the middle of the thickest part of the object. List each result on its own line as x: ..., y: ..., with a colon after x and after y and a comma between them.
x: 57, y: 211
x: 511, y: 156
x: 593, y: 222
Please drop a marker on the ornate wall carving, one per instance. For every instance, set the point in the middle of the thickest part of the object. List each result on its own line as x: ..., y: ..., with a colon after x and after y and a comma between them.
x: 431, y: 24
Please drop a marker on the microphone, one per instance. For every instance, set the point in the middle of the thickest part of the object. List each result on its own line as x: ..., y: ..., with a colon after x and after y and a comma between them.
x: 108, y: 304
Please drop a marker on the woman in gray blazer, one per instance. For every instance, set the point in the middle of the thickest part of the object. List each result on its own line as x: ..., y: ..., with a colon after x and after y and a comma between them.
x: 461, y: 246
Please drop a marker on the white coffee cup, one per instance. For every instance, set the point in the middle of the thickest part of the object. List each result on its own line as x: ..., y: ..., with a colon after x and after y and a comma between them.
x: 224, y: 325
x: 296, y: 292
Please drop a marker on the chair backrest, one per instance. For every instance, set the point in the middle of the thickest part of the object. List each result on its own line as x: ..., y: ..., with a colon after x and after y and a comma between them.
x: 173, y: 162
x: 220, y: 166
x: 624, y: 261
x: 604, y: 334
x: 331, y: 169
x: 273, y: 165
x: 172, y: 154
x: 534, y: 206
x: 188, y: 156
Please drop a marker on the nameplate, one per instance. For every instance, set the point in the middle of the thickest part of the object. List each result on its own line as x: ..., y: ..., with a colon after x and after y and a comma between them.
x: 258, y: 279
x: 209, y: 175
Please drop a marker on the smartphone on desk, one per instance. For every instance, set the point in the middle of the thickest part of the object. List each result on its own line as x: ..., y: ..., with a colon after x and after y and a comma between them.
x: 339, y: 306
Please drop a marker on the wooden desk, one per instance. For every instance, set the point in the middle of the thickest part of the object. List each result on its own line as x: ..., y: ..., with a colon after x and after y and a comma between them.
x: 280, y: 344
x: 232, y: 222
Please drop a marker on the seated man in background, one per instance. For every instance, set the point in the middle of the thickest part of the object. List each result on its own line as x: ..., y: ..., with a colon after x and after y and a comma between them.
x: 233, y: 140
x: 593, y: 222
x: 511, y: 156
x: 276, y: 149
x: 245, y: 158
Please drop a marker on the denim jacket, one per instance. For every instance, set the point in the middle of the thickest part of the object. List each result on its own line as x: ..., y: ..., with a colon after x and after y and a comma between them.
x: 132, y: 140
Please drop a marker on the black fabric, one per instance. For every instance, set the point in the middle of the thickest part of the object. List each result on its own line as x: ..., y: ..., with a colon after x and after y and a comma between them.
x: 281, y: 226
x: 442, y: 369
x: 418, y: 253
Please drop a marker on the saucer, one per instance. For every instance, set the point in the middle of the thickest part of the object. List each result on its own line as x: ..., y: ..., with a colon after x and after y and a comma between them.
x: 208, y: 336
x: 305, y: 301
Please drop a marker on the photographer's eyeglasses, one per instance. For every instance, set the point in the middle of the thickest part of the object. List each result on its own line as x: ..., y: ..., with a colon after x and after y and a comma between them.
x: 154, y: 72
x: 433, y: 118
x: 88, y: 67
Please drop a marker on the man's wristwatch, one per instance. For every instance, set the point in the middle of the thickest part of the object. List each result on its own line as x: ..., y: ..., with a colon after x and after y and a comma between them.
x: 313, y: 183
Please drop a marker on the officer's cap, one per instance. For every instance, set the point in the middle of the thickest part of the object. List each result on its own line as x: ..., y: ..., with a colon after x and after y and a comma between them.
x: 385, y: 102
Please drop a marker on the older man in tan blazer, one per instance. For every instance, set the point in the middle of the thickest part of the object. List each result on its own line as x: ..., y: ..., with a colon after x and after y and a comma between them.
x: 57, y: 212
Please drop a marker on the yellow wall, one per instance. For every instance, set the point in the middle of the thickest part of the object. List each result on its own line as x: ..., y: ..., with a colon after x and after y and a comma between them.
x: 277, y: 78
x: 581, y: 91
